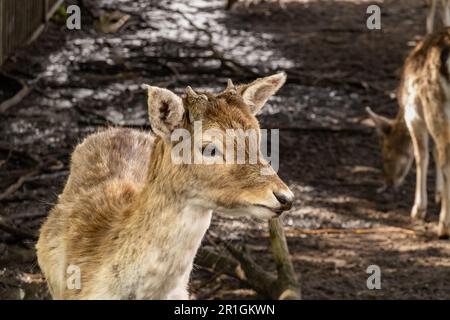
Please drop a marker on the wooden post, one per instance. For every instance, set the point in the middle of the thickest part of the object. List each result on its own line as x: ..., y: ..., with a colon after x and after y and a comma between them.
x: 46, y: 8
x: 51, y: 9
x: 289, y: 288
x: 284, y: 286
x: 21, y: 22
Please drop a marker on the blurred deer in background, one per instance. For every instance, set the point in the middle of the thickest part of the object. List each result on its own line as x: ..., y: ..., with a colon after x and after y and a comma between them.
x: 424, y: 101
x: 132, y: 220
x: 445, y: 14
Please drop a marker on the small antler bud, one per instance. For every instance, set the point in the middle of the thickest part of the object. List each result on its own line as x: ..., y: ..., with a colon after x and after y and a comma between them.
x: 230, y: 87
x: 190, y: 92
x: 230, y: 84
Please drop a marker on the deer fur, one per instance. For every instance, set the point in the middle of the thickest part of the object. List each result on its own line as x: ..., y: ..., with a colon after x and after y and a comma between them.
x: 131, y: 220
x: 424, y: 101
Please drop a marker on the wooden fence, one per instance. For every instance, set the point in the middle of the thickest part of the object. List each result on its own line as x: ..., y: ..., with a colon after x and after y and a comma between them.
x: 21, y: 21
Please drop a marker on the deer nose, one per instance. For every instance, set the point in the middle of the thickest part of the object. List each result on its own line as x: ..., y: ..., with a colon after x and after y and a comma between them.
x: 285, y: 200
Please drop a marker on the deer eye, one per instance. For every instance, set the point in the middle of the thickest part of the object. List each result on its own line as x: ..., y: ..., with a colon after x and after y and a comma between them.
x: 210, y: 151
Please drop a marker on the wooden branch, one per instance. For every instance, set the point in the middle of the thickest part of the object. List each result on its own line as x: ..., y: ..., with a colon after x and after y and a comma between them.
x: 361, y: 231
x: 17, y: 98
x: 111, y: 22
x: 26, y: 177
x: 18, y: 233
x: 356, y: 130
x: 287, y: 284
x: 16, y: 185
x: 242, y: 267
x: 234, y: 66
x: 2, y: 162
x: 209, y: 259
x: 256, y: 277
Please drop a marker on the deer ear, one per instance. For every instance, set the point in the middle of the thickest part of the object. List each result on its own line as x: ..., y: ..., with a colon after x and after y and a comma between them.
x: 165, y: 110
x: 383, y: 124
x: 256, y: 94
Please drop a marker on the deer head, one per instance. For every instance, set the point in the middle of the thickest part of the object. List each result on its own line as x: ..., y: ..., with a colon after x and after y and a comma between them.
x: 396, y: 149
x: 219, y: 182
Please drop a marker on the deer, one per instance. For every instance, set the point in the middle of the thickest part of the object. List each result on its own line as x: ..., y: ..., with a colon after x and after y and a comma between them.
x: 424, y: 110
x: 130, y: 219
x: 445, y: 14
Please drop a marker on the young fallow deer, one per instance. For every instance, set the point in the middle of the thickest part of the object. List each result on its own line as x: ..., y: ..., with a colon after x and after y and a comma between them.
x: 131, y: 220
x: 424, y: 101
x: 445, y: 14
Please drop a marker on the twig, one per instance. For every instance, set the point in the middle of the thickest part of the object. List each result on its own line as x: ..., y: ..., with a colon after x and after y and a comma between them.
x: 2, y: 162
x: 208, y: 258
x: 19, y: 233
x: 234, y: 66
x: 16, y: 185
x: 26, y: 177
x: 53, y: 175
x: 353, y: 231
x: 260, y: 280
x: 358, y: 130
x: 284, y: 287
x: 106, y: 22
x: 19, y: 96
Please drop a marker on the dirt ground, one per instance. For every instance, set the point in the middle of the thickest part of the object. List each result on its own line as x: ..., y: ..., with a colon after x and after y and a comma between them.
x: 340, y: 225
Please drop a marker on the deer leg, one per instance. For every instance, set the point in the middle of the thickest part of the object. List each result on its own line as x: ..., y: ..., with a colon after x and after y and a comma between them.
x: 419, y: 135
x: 444, y: 218
x: 439, y: 178
x: 446, y: 12
x: 430, y: 17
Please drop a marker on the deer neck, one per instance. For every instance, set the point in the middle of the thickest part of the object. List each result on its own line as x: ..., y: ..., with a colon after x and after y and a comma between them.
x: 168, y: 190
x: 400, y: 133
x: 170, y: 223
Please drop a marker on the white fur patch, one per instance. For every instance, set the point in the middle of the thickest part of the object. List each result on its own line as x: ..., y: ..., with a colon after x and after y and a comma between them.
x: 165, y: 270
x: 412, y: 113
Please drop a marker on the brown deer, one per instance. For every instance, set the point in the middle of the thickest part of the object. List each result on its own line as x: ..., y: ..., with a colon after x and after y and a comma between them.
x: 424, y: 100
x: 131, y: 220
x: 445, y: 14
